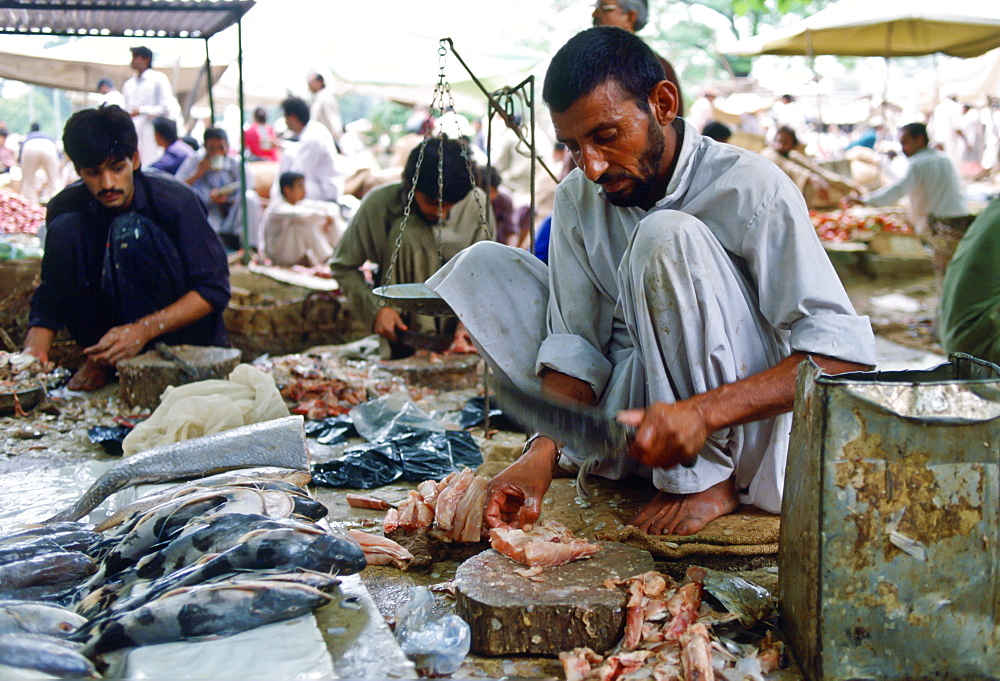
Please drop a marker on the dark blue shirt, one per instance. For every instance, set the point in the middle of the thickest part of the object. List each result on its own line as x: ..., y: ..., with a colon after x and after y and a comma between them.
x: 173, y: 157
x: 70, y: 294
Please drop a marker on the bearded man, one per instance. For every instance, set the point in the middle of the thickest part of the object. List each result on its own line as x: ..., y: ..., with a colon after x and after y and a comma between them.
x: 685, y: 286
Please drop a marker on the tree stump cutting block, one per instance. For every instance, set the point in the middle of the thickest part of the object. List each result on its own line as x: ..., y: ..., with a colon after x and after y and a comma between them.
x: 144, y: 377
x: 562, y: 608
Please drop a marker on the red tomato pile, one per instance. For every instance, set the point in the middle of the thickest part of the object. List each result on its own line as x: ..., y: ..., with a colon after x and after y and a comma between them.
x: 845, y: 225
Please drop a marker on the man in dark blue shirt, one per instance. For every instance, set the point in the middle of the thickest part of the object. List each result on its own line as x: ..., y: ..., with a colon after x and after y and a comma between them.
x: 129, y: 257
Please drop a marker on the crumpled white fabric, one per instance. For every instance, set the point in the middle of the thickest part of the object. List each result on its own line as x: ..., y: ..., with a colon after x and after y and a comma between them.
x: 204, y: 407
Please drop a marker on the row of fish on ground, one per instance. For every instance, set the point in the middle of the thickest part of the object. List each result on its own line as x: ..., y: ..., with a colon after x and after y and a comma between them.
x: 201, y: 560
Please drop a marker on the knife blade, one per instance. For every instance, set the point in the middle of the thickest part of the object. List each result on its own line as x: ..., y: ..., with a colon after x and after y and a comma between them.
x: 586, y: 430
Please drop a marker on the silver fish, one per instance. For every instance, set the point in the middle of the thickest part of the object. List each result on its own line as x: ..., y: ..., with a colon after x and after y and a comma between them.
x: 31, y: 617
x: 265, y: 475
x: 279, y: 442
x: 56, y: 567
x: 223, y: 609
x: 43, y: 654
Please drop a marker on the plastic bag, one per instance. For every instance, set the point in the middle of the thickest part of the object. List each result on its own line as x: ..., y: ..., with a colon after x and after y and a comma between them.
x: 389, y: 417
x: 415, y: 457
x: 437, y: 644
x: 109, y: 437
x: 333, y: 430
x: 474, y: 414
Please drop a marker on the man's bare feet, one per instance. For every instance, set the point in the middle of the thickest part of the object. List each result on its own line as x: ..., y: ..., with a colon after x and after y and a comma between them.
x: 684, y: 514
x: 90, y: 376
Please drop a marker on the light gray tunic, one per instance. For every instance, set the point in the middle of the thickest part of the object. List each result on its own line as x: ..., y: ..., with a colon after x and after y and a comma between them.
x: 722, y: 279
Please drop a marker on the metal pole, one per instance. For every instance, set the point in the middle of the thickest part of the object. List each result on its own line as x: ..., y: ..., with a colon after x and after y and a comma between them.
x: 243, y: 148
x: 208, y: 82
x: 534, y: 158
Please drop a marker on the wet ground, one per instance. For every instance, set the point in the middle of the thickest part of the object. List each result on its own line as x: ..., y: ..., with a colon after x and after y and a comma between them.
x: 901, y: 304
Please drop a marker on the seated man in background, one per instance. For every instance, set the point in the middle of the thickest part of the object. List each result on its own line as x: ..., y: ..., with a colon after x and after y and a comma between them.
x: 311, y: 152
x: 431, y: 226
x: 970, y: 299
x: 175, y: 151
x: 299, y: 231
x: 129, y: 257
x: 215, y: 177
x: 822, y: 189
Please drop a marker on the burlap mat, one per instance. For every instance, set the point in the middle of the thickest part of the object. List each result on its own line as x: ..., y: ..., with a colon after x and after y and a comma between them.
x: 747, y: 532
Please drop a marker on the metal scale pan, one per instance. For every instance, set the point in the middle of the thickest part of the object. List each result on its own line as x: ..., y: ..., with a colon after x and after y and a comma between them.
x: 416, y: 298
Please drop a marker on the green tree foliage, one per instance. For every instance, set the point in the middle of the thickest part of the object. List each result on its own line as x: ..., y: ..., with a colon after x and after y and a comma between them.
x: 18, y: 113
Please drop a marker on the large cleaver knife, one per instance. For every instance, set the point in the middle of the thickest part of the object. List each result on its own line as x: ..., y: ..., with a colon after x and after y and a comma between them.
x: 586, y: 430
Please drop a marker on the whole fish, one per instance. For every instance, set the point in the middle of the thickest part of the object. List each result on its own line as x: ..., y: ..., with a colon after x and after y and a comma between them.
x: 68, y: 536
x: 56, y: 567
x: 224, y: 608
x: 32, y: 617
x: 43, y: 654
x: 263, y: 475
x: 298, y: 546
x: 279, y: 442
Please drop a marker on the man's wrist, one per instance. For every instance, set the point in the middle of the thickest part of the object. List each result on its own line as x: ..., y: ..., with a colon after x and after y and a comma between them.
x: 556, y: 448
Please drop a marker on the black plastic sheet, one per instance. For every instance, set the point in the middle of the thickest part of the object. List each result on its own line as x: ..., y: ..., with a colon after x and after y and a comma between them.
x: 474, y: 414
x: 333, y: 430
x: 109, y: 437
x: 415, y: 457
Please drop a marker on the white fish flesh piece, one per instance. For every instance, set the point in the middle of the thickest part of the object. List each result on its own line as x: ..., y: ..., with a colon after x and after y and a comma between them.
x: 42, y: 654
x: 380, y: 550
x: 279, y: 442
x: 224, y: 608
x: 547, y: 544
x: 30, y: 617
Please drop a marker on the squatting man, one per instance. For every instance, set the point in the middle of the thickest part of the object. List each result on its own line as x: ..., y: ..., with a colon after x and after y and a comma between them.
x: 129, y: 257
x: 685, y: 286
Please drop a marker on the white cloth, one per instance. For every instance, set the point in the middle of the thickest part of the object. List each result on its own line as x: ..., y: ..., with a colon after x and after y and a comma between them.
x: 326, y: 110
x: 300, y: 234
x: 933, y: 187
x: 151, y: 93
x: 315, y: 156
x: 741, y: 280
x: 40, y: 153
x: 111, y: 98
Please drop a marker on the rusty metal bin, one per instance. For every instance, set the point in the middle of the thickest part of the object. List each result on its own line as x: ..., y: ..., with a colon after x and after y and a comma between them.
x: 890, y: 524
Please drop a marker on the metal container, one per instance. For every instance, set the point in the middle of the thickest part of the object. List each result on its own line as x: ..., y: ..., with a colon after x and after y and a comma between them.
x: 888, y: 561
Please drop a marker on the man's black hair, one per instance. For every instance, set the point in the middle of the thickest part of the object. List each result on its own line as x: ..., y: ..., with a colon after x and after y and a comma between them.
x: 296, y: 106
x: 105, y: 81
x: 260, y: 114
x: 35, y: 127
x: 165, y: 128
x: 790, y: 131
x: 216, y: 134
x: 915, y: 130
x: 143, y: 51
x: 720, y: 132
x: 287, y: 180
x: 456, y: 182
x: 494, y: 177
x: 93, y: 136
x: 191, y: 142
x: 599, y: 54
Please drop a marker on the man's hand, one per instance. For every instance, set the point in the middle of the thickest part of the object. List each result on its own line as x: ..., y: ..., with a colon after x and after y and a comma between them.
x: 850, y: 201
x: 218, y: 198
x: 387, y: 322
x: 119, y: 342
x: 668, y: 434
x: 514, y: 496
x: 462, y: 342
x: 38, y: 342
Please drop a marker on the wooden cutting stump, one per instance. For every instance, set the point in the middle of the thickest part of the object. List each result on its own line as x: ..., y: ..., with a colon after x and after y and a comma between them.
x: 564, y: 607
x: 438, y: 372
x: 144, y: 377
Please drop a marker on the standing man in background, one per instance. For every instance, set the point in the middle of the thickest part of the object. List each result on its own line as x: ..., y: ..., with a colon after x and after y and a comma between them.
x: 148, y: 94
x: 324, y: 108
x: 632, y: 16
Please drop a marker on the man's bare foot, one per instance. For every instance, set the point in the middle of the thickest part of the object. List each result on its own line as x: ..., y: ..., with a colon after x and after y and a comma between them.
x: 684, y: 514
x: 90, y: 376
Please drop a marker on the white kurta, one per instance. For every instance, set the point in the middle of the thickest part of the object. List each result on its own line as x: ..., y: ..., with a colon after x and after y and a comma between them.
x: 721, y: 280
x: 149, y: 92
x: 315, y: 156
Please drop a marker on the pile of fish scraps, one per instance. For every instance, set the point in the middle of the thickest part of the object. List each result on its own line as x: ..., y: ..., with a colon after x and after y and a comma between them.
x: 238, y: 550
x: 323, y: 385
x: 672, y: 633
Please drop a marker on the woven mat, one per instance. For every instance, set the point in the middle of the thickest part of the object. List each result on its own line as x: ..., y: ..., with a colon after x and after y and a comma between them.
x: 747, y: 532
